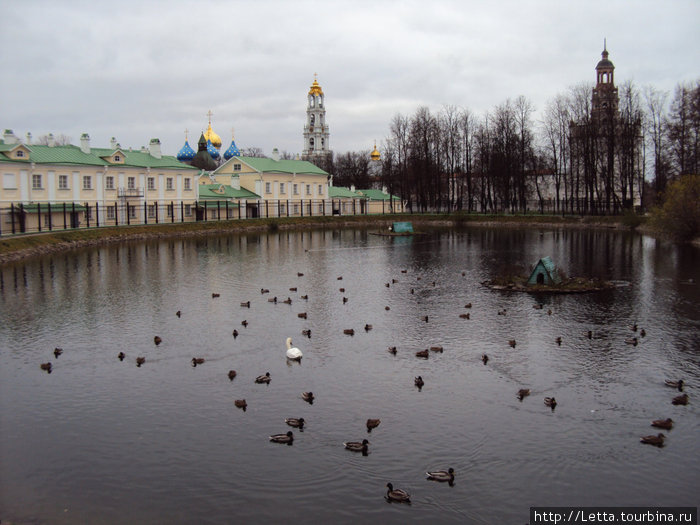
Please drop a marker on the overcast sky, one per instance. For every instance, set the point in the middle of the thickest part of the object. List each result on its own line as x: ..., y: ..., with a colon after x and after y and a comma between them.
x: 138, y: 70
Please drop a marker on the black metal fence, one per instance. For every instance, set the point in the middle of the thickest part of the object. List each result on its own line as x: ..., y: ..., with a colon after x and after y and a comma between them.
x: 42, y: 217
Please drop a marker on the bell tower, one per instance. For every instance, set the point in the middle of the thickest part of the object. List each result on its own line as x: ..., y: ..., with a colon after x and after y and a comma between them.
x: 605, y: 99
x: 316, y: 133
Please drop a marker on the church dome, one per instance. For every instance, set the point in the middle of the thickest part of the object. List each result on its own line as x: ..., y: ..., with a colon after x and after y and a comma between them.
x: 315, y: 88
x: 375, y: 155
x: 212, y: 150
x: 186, y: 153
x: 232, y: 151
x: 211, y: 136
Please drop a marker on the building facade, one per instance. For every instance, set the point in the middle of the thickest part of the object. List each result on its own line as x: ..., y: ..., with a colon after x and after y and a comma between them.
x: 316, y: 131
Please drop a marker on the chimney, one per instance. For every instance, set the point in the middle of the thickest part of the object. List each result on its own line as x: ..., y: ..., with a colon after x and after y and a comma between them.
x: 29, y: 139
x: 85, y: 143
x: 275, y: 154
x: 51, y: 141
x: 113, y: 143
x: 352, y: 187
x: 154, y: 148
x: 235, y: 182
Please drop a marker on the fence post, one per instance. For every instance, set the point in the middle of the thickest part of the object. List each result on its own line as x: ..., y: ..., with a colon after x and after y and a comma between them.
x: 87, y: 214
x: 97, y: 214
x: 267, y: 209
x: 145, y: 212
x: 301, y: 201
x: 116, y: 214
x: 38, y: 214
x: 49, y: 212
x: 182, y: 211
x: 128, y: 215
x: 172, y: 212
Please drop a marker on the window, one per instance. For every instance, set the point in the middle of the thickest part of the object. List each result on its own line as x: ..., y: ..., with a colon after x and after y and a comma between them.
x: 117, y: 158
x: 320, y: 189
x: 131, y: 183
x: 88, y: 213
x: 169, y: 184
x: 268, y: 187
x: 295, y: 209
x: 236, y: 167
x: 111, y: 212
x: 63, y: 182
x: 169, y: 210
x: 36, y: 182
x: 8, y: 181
x: 188, y: 208
x: 151, y: 183
x: 47, y: 220
x: 295, y: 189
x: 19, y: 154
x: 132, y: 211
x: 151, y: 211
x: 109, y: 182
x: 188, y: 184
x: 282, y: 188
x: 87, y: 182
x: 308, y: 189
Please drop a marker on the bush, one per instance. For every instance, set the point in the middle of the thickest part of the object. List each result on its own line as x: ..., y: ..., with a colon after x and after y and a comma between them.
x: 679, y: 215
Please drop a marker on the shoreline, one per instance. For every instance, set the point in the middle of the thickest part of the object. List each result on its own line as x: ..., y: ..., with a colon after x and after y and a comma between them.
x: 19, y: 248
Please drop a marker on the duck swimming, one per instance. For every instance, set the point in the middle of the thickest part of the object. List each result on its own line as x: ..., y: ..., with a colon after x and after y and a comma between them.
x: 657, y: 441
x: 47, y: 367
x: 287, y: 438
x: 232, y: 374
x: 197, y: 361
x: 680, y: 400
x: 666, y: 424
x: 308, y: 397
x: 295, y: 422
x: 241, y: 403
x: 357, y: 446
x: 550, y: 402
x: 263, y: 379
x: 523, y: 392
x: 418, y: 381
x: 372, y: 423
x: 442, y: 475
x: 675, y: 384
x: 423, y: 353
x: 398, y: 495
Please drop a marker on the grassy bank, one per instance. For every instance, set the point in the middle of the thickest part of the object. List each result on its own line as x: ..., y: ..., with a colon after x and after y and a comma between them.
x: 24, y: 246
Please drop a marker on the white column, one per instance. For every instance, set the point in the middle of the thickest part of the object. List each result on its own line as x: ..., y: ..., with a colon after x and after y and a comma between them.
x: 51, y: 185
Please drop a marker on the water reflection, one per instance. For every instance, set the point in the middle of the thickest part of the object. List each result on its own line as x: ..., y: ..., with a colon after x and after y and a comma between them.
x: 100, y: 440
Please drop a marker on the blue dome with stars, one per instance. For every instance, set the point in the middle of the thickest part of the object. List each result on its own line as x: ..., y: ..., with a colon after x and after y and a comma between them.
x: 213, y: 151
x: 232, y: 151
x: 186, y: 153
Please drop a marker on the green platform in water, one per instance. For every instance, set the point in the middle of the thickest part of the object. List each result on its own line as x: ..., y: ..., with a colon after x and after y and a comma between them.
x: 402, y: 227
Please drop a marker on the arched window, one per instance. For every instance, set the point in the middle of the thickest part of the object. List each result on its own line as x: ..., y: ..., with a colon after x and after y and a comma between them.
x: 311, y: 144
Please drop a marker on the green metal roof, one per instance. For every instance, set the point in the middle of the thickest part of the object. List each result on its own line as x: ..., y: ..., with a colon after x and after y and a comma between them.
x: 208, y: 191
x: 377, y: 195
x: 73, y: 155
x: 340, y: 192
x: 265, y: 165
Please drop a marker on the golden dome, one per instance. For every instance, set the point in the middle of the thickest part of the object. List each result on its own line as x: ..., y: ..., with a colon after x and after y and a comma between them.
x: 211, y: 135
x: 315, y: 88
x: 375, y: 155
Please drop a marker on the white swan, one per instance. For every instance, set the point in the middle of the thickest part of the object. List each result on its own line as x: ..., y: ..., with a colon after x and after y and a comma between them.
x: 293, y: 352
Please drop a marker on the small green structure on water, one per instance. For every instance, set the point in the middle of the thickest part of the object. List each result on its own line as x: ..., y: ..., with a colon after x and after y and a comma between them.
x: 545, y: 272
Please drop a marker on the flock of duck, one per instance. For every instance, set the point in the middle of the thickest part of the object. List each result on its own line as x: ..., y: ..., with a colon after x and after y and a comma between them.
x: 295, y: 354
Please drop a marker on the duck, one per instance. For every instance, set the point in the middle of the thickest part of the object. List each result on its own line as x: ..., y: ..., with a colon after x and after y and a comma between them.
x: 157, y: 340
x: 293, y: 289
x: 300, y: 274
x: 178, y: 313
x: 558, y: 341
x: 387, y: 285
x: 485, y: 358
x: 57, y: 352
x: 675, y: 384
x: 398, y: 495
x: 502, y: 312
x: 140, y: 361
x: 264, y: 290
x: 680, y: 400
x: 442, y: 475
x: 293, y: 353
x: 295, y: 422
x: 308, y: 396
x: 349, y: 331
x: 357, y: 446
x: 246, y: 304
x: 287, y: 438
x: 341, y: 290
x: 634, y: 327
x: 302, y: 315
x: 340, y: 278
x: 643, y: 332
x: 387, y: 308
x: 423, y: 353
x: 46, y: 366
x: 468, y: 305
x: 306, y: 332
x: 368, y: 327
x: 589, y: 334
x: 232, y: 375
x: 657, y: 440
x: 244, y: 323
x: 632, y: 341
x: 263, y: 379
x: 549, y: 312
x: 538, y: 306
x: 436, y: 348
x: 372, y: 423
x: 404, y: 271
x: 464, y: 316
x: 392, y: 350
x: 121, y: 356
x: 288, y: 300
x: 272, y: 300
x: 345, y: 300
x: 215, y: 295
x: 305, y: 297
x: 235, y: 333
x: 522, y: 393
x: 424, y: 318
x: 197, y: 361
x: 418, y: 381
x: 241, y: 403
x: 550, y: 402
x: 666, y: 424
x: 512, y: 343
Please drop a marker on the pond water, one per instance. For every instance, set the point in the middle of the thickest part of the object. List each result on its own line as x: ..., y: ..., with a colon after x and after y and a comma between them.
x: 99, y: 440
